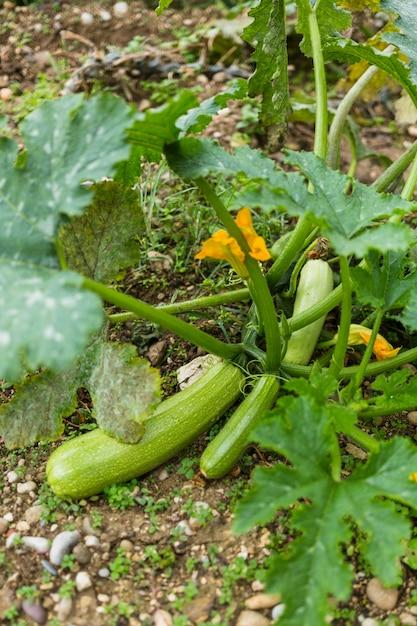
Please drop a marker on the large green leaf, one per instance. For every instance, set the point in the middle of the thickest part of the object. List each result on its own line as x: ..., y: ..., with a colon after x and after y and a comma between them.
x: 124, y: 390
x: 194, y: 158
x: 397, y: 391
x: 345, y: 217
x: 314, y: 566
x: 104, y: 240
x: 406, y: 37
x: 409, y: 314
x: 270, y: 79
x: 46, y: 317
x: 383, y: 283
x: 197, y: 118
x: 331, y: 20
x: 157, y: 127
x: 351, y: 51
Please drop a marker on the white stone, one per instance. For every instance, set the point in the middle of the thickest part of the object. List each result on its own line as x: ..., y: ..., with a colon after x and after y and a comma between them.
x: 383, y: 597
x: 39, y: 544
x: 9, y: 517
x: 262, y: 601
x: 105, y: 16
x: 277, y: 611
x: 369, y: 621
x: 91, y: 541
x: 104, y: 572
x: 86, y: 18
x: 407, y: 619
x: 63, y: 609
x: 120, y: 9
x: 162, y: 618
x: 62, y: 544
x: 83, y: 581
x: 252, y: 618
x: 22, y: 526
x: 12, y: 477
x: 26, y: 487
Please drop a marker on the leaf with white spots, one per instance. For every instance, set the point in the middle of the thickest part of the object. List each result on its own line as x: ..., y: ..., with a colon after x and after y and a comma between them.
x: 47, y: 319
x: 124, y: 390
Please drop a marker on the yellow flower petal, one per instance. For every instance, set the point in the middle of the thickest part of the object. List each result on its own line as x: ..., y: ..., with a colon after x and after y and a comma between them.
x: 413, y: 477
x: 361, y: 335
x: 258, y: 249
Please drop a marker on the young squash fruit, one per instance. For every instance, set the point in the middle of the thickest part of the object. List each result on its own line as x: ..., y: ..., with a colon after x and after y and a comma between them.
x: 87, y: 464
x: 316, y: 282
x: 224, y: 451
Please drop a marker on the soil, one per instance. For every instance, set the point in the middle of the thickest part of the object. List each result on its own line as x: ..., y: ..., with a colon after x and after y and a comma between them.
x: 159, y: 550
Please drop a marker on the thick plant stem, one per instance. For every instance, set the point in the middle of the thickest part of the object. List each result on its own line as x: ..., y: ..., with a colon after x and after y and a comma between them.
x: 360, y: 375
x: 410, y: 185
x: 290, y: 251
x: 362, y: 438
x: 373, y: 369
x: 395, y: 169
x: 166, y: 320
x: 320, y: 137
x: 346, y: 315
x: 257, y: 283
x: 237, y: 295
x: 315, y: 312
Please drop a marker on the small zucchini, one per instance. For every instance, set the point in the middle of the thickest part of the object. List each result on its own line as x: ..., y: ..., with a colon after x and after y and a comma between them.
x: 316, y: 282
x: 87, y: 464
x: 224, y: 451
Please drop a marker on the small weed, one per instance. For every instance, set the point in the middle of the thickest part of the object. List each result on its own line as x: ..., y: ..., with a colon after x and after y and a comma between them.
x: 120, y: 566
x: 188, y: 467
x: 238, y: 569
x: 27, y: 592
x: 117, y: 611
x: 121, y: 497
x: 67, y: 589
x: 68, y: 562
x: 3, y: 559
x: 51, y: 504
x: 96, y: 519
x: 200, y: 511
x: 162, y: 559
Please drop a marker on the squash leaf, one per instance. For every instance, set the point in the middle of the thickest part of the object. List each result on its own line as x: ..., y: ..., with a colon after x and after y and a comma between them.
x: 104, y: 240
x: 397, y: 392
x: 302, y: 430
x: 270, y: 79
x: 162, y: 5
x: 406, y: 37
x: 47, y: 318
x: 198, y: 118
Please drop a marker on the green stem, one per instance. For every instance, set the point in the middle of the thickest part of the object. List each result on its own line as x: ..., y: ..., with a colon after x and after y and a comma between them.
x: 373, y: 369
x: 335, y: 459
x: 257, y: 283
x: 362, y: 438
x: 166, y: 320
x: 320, y: 137
x: 237, y: 295
x: 360, y: 375
x: 317, y: 311
x: 291, y: 249
x: 382, y: 411
x: 345, y: 318
x: 395, y: 169
x: 410, y: 185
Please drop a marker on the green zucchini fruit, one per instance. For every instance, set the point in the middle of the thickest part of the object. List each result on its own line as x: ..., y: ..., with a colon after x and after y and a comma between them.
x: 224, y: 451
x: 87, y: 464
x: 316, y: 282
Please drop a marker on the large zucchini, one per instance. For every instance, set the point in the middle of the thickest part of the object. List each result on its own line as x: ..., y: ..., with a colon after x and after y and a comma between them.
x: 87, y: 464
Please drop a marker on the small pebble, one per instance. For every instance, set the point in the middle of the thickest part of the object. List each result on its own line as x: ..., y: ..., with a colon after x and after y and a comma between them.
x: 63, y: 609
x: 22, y: 526
x: 82, y: 554
x: 33, y: 514
x: 277, y: 611
x: 162, y: 618
x: 63, y: 544
x: 251, y: 618
x: 383, y: 597
x: 105, y: 16
x: 83, y: 581
x: 4, y: 525
x: 127, y: 545
x: 412, y: 417
x: 262, y: 601
x: 257, y: 585
x: 12, y: 477
x: 39, y: 544
x: 5, y: 94
x: 104, y: 572
x: 8, y: 516
x: 163, y: 475
x: 407, y: 619
x: 86, y: 18
x: 26, y: 487
x: 103, y: 597
x: 91, y: 541
x: 370, y: 621
x: 34, y: 611
x: 120, y: 9
x: 48, y: 567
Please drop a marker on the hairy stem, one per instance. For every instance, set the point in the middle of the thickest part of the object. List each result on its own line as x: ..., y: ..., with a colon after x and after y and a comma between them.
x: 346, y: 315
x: 360, y: 375
x: 411, y: 182
x: 320, y: 137
x: 395, y: 169
x: 195, y: 304
x: 362, y: 438
x: 166, y: 320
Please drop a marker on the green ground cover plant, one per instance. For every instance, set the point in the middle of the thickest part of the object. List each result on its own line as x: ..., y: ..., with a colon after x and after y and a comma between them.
x: 70, y: 222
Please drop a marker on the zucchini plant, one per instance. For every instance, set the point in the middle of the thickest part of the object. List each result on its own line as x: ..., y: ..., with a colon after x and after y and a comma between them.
x: 69, y: 221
